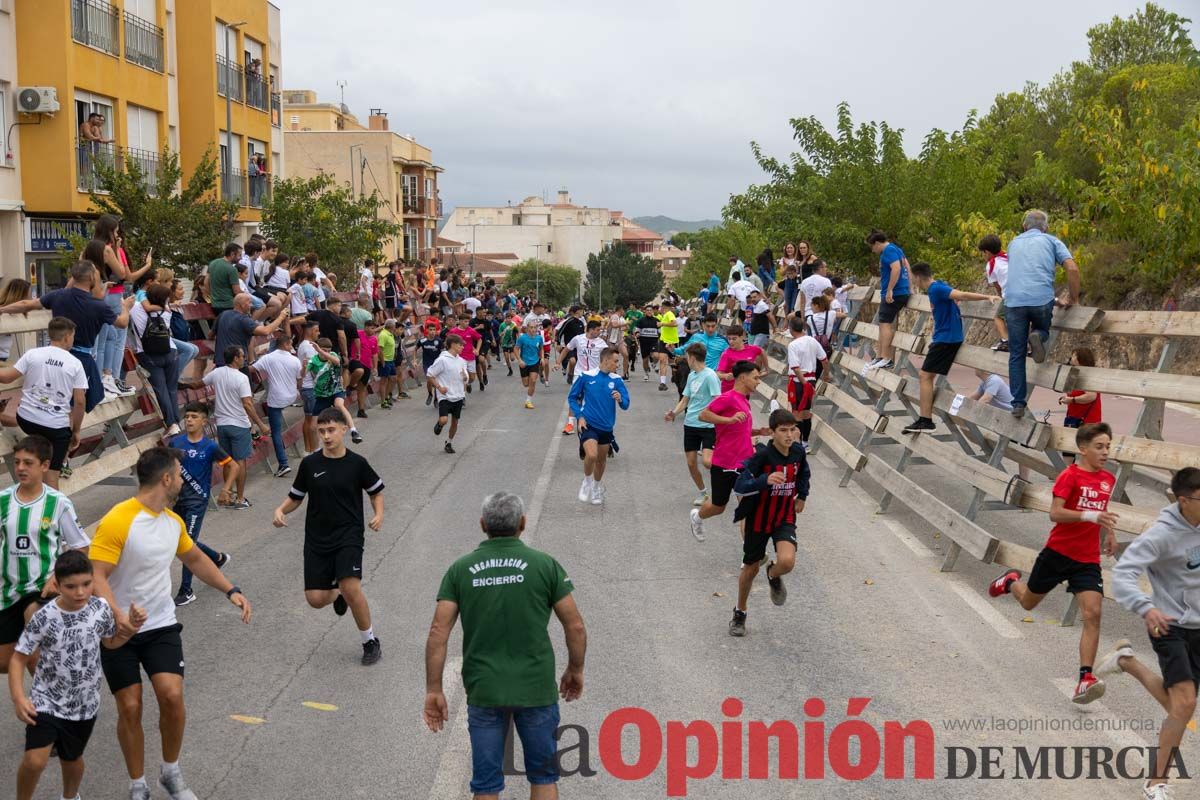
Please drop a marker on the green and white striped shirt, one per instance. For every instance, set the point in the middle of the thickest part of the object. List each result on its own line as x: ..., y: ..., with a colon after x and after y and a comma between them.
x: 31, y: 536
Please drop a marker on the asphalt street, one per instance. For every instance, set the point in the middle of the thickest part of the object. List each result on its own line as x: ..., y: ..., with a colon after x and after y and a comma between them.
x: 281, y: 709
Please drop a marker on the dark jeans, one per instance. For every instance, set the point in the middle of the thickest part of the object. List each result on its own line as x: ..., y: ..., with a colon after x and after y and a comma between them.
x: 192, y: 511
x: 488, y: 729
x: 164, y: 378
x: 1021, y: 320
x: 95, y: 390
x: 275, y: 420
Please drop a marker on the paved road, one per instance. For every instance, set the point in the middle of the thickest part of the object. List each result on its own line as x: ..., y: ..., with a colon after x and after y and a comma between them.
x: 869, y: 616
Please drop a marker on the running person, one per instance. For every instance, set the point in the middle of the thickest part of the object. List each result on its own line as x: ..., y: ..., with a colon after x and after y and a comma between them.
x: 333, y: 479
x: 730, y: 413
x: 568, y: 329
x: 547, y: 347
x: 36, y: 522
x: 773, y: 484
x: 529, y: 347
x: 508, y: 340
x: 698, y: 436
x: 594, y: 398
x: 430, y: 345
x: 614, y: 334
x: 450, y: 377
x: 646, y: 327
x: 470, y: 339
x: 805, y: 358
x: 587, y: 348
x: 1072, y: 553
x: 482, y: 326
x: 668, y: 333
x: 737, y: 351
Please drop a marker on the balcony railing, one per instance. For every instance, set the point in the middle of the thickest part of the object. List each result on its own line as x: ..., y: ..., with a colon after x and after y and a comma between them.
x: 257, y: 91
x: 94, y: 159
x: 248, y: 191
x: 143, y: 43
x: 229, y: 79
x: 95, y: 23
x: 414, y: 205
x: 276, y: 110
x: 233, y: 186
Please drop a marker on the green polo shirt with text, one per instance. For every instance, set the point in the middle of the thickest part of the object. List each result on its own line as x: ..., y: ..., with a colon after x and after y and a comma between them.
x: 505, y: 592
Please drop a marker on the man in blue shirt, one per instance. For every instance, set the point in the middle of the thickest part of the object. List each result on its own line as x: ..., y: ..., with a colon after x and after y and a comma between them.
x: 593, y: 400
x: 947, y: 337
x: 1033, y: 259
x: 893, y: 288
x: 714, y: 343
x: 699, y: 437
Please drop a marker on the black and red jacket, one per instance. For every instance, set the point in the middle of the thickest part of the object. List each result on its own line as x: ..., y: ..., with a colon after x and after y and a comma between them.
x: 765, y: 507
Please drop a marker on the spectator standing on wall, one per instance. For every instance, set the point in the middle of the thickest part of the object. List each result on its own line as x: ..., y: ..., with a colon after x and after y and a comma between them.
x: 106, y: 252
x: 156, y: 352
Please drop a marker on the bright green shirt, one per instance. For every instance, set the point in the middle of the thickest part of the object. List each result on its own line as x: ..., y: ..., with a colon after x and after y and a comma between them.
x: 222, y: 277
x: 387, y: 345
x: 633, y: 315
x: 505, y: 592
x: 667, y: 329
x: 508, y: 334
x: 327, y: 378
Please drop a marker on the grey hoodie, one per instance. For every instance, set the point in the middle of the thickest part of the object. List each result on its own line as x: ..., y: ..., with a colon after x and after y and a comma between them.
x: 1169, y: 551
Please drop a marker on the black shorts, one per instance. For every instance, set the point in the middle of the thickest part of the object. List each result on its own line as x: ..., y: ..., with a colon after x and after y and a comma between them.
x: 889, y: 311
x: 324, y: 570
x: 159, y: 650
x: 450, y: 408
x: 12, y: 619
x: 754, y: 546
x: 353, y: 366
x: 68, y: 736
x: 695, y: 439
x: 530, y: 369
x: 1053, y: 568
x: 647, y: 347
x: 602, y: 438
x: 1178, y: 652
x: 940, y: 357
x: 60, y: 439
x: 666, y: 349
x: 721, y: 482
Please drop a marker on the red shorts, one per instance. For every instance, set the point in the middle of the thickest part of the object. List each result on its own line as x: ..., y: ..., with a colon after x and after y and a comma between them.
x: 801, y: 393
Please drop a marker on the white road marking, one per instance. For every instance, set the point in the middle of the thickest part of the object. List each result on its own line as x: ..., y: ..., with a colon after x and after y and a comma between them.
x: 981, y: 607
x: 1105, y: 720
x: 454, y: 767
x: 910, y: 541
x: 543, y: 482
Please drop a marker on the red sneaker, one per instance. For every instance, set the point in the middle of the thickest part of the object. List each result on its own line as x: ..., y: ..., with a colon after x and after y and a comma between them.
x: 1001, y: 585
x: 1090, y: 688
x: 567, y: 431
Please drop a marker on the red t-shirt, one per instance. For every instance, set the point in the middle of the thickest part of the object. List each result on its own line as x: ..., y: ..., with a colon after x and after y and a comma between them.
x: 1090, y: 412
x: 1082, y: 491
x: 733, y: 444
x: 729, y: 357
x: 432, y: 326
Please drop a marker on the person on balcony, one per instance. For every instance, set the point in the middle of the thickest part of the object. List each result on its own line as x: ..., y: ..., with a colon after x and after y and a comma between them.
x: 91, y: 144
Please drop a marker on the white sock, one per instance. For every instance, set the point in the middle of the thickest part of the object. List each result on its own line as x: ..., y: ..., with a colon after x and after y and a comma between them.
x: 570, y: 420
x: 662, y: 378
x: 367, y: 635
x: 136, y: 782
x: 170, y: 768
x: 354, y: 430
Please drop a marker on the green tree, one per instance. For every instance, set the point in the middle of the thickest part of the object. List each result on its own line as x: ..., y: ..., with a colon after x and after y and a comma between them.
x: 682, y: 239
x: 1151, y: 36
x: 185, y: 223
x: 619, y: 276
x: 711, y: 249
x: 556, y: 285
x: 317, y: 215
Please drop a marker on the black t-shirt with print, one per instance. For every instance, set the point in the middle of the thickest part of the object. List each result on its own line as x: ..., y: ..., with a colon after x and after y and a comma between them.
x: 334, y: 487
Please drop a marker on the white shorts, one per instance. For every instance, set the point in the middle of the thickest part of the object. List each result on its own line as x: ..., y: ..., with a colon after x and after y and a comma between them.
x: 471, y: 367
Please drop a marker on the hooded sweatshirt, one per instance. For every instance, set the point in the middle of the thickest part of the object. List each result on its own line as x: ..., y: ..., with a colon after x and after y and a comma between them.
x: 1169, y: 552
x: 591, y: 398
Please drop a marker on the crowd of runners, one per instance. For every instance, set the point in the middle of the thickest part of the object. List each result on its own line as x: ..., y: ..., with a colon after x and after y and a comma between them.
x: 79, y: 608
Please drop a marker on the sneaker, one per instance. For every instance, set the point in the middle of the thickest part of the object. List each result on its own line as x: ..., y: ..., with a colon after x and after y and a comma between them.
x: 585, y: 490
x: 569, y: 429
x: 469, y: 390
x: 224, y: 560
x: 1089, y: 690
x: 919, y: 425
x: 174, y: 786
x: 510, y: 372
x: 371, y: 652
x: 185, y: 596
x: 236, y: 505
x: 110, y: 385
x: 1110, y: 664
x: 778, y: 590
x: 142, y: 792
x: 284, y: 470
x: 662, y: 387
x: 483, y: 386
x: 529, y: 404
x: 404, y: 396
x: 355, y: 436
x: 437, y: 428
x: 1018, y: 411
x: 597, y: 494
x: 697, y: 525
x: 1158, y: 791
x: 737, y: 625
x: 386, y: 404
x: 340, y: 606
x: 1001, y: 346
x: 700, y: 500
x: 884, y: 363
x: 1003, y: 584
x: 428, y: 399
x: 362, y: 414
x: 173, y: 430
x: 874, y: 362
x: 1037, y: 348
x: 449, y: 448
x: 645, y: 377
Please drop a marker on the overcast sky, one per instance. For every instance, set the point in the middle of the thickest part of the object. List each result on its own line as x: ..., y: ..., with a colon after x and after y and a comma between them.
x: 650, y: 106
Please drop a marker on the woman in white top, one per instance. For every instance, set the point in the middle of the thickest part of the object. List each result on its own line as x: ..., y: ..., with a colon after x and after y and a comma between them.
x: 278, y: 276
x: 789, y: 258
x: 822, y: 324
x: 14, y: 291
x: 162, y: 367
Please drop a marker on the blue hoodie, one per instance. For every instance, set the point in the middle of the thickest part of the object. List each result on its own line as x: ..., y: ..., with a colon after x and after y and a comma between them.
x: 591, y: 399
x: 713, y: 347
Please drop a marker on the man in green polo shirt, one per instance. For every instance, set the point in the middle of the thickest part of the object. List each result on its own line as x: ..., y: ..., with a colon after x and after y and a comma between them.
x: 505, y: 591
x: 223, y: 278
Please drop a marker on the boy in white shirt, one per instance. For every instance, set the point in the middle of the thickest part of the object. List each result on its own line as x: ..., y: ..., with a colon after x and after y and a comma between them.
x: 282, y: 372
x: 803, y: 355
x: 449, y: 376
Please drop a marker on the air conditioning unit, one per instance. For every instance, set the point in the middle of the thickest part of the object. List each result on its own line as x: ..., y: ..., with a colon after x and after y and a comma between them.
x: 37, y: 99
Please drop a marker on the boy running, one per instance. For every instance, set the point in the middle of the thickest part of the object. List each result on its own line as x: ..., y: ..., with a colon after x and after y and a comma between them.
x: 547, y: 346
x: 470, y: 340
x: 1072, y: 553
x: 199, y: 455
x: 804, y: 357
x: 430, y: 345
x: 325, y: 367
x: 60, y: 712
x: 334, y: 479
x: 774, y: 486
x: 508, y: 338
x: 529, y: 347
x: 698, y: 436
x: 646, y: 327
x: 450, y: 376
x: 36, y: 522
x: 593, y: 399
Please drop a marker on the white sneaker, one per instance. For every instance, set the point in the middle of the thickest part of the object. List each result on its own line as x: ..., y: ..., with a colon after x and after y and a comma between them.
x: 700, y: 499
x: 1110, y: 664
x: 173, y: 430
x: 585, y: 490
x: 1158, y: 791
x: 110, y: 385
x: 697, y: 525
x: 597, y: 493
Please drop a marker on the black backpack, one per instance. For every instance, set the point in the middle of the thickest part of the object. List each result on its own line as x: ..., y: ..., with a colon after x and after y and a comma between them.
x: 156, y: 336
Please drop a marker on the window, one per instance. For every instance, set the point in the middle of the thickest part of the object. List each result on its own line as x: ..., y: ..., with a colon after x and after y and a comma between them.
x: 146, y: 9
x: 429, y: 238
x: 91, y: 154
x: 3, y: 119
x: 141, y: 128
x: 429, y: 188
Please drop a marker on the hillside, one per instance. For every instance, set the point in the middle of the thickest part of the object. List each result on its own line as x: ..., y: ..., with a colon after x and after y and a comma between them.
x: 669, y: 225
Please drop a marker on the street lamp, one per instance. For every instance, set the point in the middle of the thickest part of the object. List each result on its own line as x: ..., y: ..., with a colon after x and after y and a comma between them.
x: 229, y: 74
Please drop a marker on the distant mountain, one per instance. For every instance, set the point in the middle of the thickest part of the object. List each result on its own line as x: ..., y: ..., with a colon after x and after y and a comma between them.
x: 668, y: 226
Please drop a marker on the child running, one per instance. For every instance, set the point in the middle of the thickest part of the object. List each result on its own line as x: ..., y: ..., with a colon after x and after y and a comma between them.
x: 774, y: 486
x: 328, y: 390
x: 529, y: 349
x: 593, y: 400
x: 450, y: 376
x: 430, y: 345
x: 333, y: 479
x: 1072, y: 553
x: 698, y: 436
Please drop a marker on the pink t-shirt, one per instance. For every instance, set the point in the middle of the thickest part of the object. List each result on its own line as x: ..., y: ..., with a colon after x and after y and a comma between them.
x: 368, y: 347
x: 733, y: 445
x: 730, y: 357
x: 470, y: 338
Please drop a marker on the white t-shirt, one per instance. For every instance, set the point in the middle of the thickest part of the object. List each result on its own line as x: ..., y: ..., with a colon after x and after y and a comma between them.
x: 810, y: 287
x: 319, y: 276
x: 471, y: 304
x: 741, y: 290
x: 51, y: 377
x: 365, y: 281
x: 616, y: 329
x: 229, y: 387
x: 535, y: 319
x: 841, y: 298
x: 821, y: 324
x: 450, y: 371
x: 305, y: 352
x: 282, y: 370
x: 67, y: 681
x: 296, y: 295
x: 804, y: 352
x: 587, y: 352
x: 139, y: 318
x: 279, y: 277
x: 996, y: 271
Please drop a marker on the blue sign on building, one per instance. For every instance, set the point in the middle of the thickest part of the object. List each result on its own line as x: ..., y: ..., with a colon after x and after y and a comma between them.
x: 49, y: 234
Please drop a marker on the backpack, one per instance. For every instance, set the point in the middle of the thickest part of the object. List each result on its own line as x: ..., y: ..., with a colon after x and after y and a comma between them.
x: 156, y: 336
x: 822, y: 337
